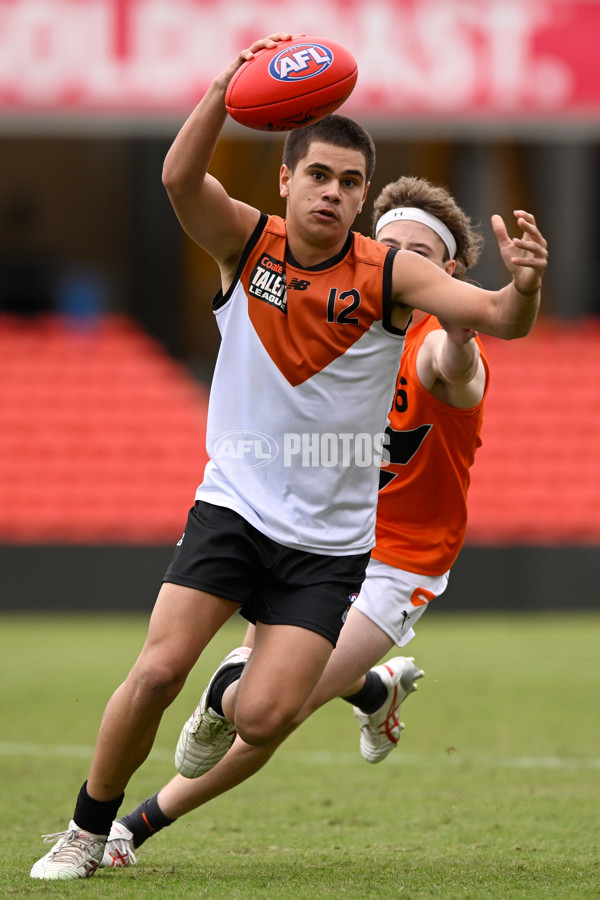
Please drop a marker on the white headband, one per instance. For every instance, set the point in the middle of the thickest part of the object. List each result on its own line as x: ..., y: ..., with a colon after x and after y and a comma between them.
x: 414, y: 214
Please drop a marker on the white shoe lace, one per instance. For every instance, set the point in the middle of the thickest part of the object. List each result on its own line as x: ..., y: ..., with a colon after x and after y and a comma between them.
x: 121, y: 848
x: 51, y: 838
x: 213, y: 727
x: 70, y: 847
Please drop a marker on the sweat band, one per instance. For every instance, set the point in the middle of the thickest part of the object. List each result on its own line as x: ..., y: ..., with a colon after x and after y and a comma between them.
x: 414, y: 214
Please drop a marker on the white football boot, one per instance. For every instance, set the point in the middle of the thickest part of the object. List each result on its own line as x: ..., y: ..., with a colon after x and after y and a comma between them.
x: 119, y: 848
x: 380, y: 731
x: 76, y: 854
x: 206, y: 736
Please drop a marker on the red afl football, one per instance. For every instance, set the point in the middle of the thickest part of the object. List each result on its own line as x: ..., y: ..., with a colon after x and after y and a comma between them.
x: 291, y: 85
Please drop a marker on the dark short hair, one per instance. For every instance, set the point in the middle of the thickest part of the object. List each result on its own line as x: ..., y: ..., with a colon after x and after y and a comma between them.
x: 336, y: 130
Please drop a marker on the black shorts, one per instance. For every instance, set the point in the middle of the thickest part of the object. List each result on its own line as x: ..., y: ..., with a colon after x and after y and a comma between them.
x: 222, y: 554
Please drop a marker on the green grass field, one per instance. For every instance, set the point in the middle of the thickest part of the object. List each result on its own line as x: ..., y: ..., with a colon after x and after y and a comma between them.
x: 493, y: 791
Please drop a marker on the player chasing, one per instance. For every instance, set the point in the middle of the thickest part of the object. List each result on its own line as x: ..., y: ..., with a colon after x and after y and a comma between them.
x: 286, y: 546
x: 435, y: 425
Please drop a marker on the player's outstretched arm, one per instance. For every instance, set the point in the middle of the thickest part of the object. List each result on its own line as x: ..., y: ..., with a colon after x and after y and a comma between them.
x: 507, y: 313
x: 214, y: 220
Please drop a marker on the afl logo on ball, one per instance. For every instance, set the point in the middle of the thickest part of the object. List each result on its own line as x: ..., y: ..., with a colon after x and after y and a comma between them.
x: 300, y: 61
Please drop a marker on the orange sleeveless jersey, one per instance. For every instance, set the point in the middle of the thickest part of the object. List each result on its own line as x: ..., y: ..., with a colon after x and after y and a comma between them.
x: 422, y: 508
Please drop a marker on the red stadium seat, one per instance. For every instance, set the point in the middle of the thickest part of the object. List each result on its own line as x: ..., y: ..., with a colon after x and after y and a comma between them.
x: 94, y: 427
x: 102, y: 436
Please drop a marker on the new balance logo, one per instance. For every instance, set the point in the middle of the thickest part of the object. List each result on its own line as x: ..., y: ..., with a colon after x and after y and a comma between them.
x: 298, y: 284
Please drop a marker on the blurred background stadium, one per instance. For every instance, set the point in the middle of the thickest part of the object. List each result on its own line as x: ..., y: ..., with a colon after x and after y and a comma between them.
x: 107, y: 340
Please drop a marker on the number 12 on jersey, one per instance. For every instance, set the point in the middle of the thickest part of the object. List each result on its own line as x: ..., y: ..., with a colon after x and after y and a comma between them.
x: 351, y: 299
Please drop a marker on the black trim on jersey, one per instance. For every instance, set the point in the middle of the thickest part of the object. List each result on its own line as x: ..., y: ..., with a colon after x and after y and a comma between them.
x: 324, y: 265
x: 220, y: 299
x: 388, y: 265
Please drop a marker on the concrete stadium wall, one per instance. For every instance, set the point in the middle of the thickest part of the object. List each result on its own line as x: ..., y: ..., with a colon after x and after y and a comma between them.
x: 90, y: 579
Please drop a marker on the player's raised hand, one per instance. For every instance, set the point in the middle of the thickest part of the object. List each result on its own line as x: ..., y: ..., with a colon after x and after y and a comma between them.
x: 270, y: 41
x: 244, y: 55
x: 525, y: 257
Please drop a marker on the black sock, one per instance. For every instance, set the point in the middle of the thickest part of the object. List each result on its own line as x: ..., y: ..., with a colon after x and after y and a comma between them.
x: 371, y: 695
x: 95, y: 815
x: 220, y: 685
x: 147, y: 819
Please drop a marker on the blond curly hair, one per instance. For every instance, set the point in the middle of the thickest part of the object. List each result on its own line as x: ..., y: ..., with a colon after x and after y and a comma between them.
x: 411, y: 191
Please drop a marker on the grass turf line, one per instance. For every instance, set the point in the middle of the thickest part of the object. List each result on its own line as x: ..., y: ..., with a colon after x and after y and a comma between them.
x: 453, y: 818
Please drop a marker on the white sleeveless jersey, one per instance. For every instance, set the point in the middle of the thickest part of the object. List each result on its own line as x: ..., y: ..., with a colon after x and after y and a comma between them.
x: 302, y: 387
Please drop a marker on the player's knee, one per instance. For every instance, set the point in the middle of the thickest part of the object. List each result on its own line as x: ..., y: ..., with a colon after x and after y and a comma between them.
x: 258, y: 727
x: 157, y: 682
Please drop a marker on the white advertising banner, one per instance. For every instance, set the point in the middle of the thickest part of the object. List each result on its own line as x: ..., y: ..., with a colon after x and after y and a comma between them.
x: 417, y: 58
